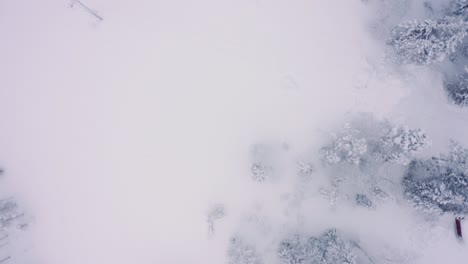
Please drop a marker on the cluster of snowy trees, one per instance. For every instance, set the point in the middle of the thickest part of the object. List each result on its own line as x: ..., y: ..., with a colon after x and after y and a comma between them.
x: 439, y: 184
x: 440, y: 38
x: 356, y: 153
x: 427, y: 41
x: 329, y: 248
x: 382, y: 142
x: 369, y: 161
x: 435, y: 185
x: 359, y: 149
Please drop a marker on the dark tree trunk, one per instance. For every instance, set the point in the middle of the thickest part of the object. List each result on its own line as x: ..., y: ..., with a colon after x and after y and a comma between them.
x: 458, y: 227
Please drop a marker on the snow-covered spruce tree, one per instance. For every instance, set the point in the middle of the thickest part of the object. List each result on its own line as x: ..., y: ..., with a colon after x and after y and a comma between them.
x: 457, y: 89
x: 348, y: 145
x: 427, y: 41
x: 329, y: 248
x: 400, y: 144
x: 239, y: 252
x: 439, y: 185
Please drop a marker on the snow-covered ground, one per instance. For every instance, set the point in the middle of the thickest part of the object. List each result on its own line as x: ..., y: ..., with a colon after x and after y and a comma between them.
x: 118, y: 136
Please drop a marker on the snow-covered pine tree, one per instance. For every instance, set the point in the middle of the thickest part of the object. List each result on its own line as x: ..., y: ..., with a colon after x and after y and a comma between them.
x: 239, y: 252
x: 427, y: 41
x: 457, y: 89
x: 440, y: 185
x: 347, y: 146
x: 300, y: 250
x: 336, y: 249
x: 437, y: 186
x: 329, y: 248
x: 401, y: 143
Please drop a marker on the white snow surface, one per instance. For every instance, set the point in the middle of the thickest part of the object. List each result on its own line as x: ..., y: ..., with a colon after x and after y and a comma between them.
x: 117, y: 136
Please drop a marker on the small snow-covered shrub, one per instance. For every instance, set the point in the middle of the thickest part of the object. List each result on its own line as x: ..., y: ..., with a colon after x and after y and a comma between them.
x: 262, y: 162
x: 260, y: 171
x: 305, y: 170
x: 363, y: 200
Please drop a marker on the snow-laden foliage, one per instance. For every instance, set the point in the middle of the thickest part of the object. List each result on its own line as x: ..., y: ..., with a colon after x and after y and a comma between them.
x: 427, y: 41
x: 438, y: 185
x: 457, y: 89
x: 331, y: 194
x: 300, y: 250
x: 401, y: 143
x: 379, y: 193
x: 305, y: 170
x: 9, y: 213
x: 260, y: 172
x: 363, y: 200
x: 347, y: 146
x: 329, y: 248
x: 459, y: 8
x: 355, y: 173
x: 239, y: 252
x: 458, y: 155
x: 378, y: 141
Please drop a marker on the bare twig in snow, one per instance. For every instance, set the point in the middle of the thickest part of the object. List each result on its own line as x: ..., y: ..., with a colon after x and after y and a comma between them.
x: 86, y: 8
